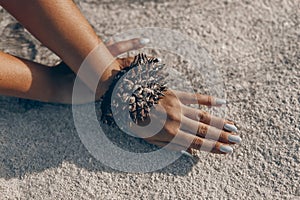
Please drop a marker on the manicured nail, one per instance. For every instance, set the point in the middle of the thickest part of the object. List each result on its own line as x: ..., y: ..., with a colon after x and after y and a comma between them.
x: 186, y: 154
x: 230, y: 127
x: 105, y: 41
x: 220, y: 101
x: 226, y: 149
x: 144, y: 41
x: 234, y: 139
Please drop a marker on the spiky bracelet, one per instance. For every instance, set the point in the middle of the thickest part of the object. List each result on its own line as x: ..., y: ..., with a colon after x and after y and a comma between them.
x: 144, y: 78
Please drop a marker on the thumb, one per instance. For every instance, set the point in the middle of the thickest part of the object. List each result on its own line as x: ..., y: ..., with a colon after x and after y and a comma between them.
x: 125, y: 62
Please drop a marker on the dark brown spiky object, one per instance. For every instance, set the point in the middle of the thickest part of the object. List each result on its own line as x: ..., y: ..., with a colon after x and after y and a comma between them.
x: 143, y: 99
x: 134, y: 91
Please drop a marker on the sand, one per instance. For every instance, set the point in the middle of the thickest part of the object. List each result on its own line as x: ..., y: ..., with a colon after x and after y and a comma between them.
x: 256, y: 46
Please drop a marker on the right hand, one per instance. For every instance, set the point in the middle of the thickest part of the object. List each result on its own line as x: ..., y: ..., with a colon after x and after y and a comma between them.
x: 193, y: 128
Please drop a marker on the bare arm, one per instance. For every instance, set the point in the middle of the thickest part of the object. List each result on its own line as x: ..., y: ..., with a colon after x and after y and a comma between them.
x: 59, y: 25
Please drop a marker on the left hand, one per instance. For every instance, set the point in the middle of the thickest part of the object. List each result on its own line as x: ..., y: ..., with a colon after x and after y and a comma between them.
x: 64, y: 77
x: 115, y: 49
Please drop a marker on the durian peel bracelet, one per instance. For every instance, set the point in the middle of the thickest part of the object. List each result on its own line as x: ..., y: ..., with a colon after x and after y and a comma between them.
x: 138, y: 86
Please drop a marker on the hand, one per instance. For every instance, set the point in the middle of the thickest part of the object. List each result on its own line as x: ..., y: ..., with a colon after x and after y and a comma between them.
x: 193, y: 128
x: 115, y: 49
x: 63, y: 77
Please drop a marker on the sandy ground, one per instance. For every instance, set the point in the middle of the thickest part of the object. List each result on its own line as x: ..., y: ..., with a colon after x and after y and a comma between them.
x: 255, y: 44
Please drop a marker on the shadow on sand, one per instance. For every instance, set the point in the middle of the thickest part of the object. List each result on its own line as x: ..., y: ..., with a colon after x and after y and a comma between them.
x: 35, y: 137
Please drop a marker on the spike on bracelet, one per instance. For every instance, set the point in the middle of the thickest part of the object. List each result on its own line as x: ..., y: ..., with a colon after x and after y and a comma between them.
x: 138, y: 88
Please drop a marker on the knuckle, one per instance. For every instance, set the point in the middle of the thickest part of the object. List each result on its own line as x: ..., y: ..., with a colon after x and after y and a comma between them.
x: 197, y: 143
x: 217, y: 146
x: 170, y: 129
x: 224, y: 137
x: 174, y: 116
x: 203, y: 116
x: 202, y: 129
x: 209, y: 100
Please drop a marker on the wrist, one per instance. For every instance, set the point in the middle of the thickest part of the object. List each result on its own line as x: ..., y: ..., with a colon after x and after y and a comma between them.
x: 107, y: 79
x: 98, y: 69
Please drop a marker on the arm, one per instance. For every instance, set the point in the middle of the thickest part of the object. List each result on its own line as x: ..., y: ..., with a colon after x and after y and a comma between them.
x: 59, y: 25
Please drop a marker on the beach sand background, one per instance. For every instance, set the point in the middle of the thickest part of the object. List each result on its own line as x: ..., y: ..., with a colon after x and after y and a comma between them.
x: 256, y: 46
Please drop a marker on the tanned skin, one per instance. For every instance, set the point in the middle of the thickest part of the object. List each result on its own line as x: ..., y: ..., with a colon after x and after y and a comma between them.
x: 60, y: 26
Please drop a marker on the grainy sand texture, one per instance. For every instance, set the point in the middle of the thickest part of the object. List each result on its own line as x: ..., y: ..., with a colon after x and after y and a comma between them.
x: 256, y: 46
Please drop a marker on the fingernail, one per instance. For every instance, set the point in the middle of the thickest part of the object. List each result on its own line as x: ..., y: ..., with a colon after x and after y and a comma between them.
x: 186, y: 154
x: 158, y: 59
x: 234, y: 139
x: 144, y: 41
x: 104, y: 40
x: 220, y: 101
x: 226, y: 149
x: 230, y: 127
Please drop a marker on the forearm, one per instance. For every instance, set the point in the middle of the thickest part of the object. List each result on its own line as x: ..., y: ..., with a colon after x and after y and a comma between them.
x: 60, y: 26
x: 25, y: 79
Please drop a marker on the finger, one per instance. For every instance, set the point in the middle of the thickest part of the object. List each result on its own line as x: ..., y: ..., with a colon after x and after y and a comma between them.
x: 125, y: 46
x: 174, y: 147
x: 209, y: 132
x: 211, y: 146
x: 191, y: 141
x: 195, y: 98
x: 170, y: 146
x: 125, y: 62
x: 205, y: 117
